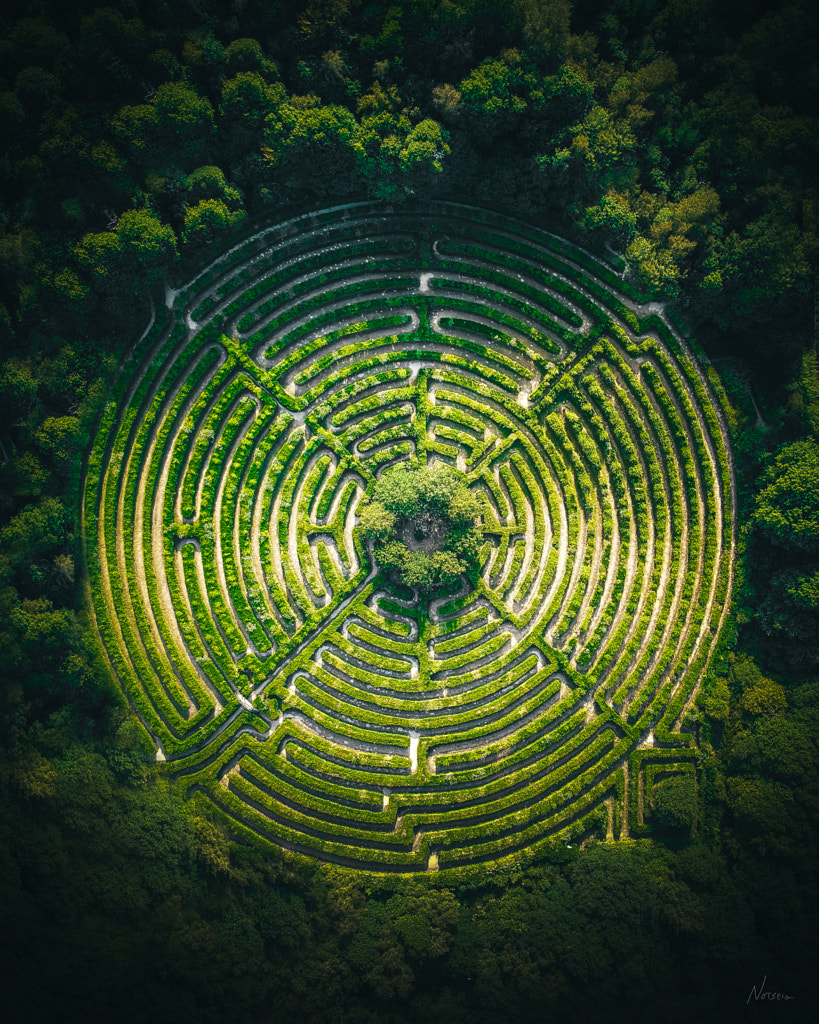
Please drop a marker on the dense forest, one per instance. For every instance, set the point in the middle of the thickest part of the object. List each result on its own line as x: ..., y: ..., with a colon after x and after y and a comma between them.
x: 138, y: 136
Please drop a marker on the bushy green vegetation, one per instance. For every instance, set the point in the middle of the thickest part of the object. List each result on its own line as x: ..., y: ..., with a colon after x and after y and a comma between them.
x: 582, y: 486
x: 677, y: 141
x: 414, y: 504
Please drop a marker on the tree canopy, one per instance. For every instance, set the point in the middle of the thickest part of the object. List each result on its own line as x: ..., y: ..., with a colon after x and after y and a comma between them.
x: 425, y: 524
x: 787, y: 506
x: 677, y: 139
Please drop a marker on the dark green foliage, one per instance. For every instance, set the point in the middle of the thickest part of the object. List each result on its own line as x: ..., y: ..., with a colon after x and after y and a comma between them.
x: 35, y: 529
x: 140, y: 247
x: 18, y: 390
x: 787, y: 506
x: 804, y: 399
x: 683, y: 134
x: 786, y: 553
x: 207, y: 221
x: 674, y: 804
x: 417, y: 504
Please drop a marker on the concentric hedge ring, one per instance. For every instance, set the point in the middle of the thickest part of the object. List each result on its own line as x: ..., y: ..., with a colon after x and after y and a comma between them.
x: 308, y: 702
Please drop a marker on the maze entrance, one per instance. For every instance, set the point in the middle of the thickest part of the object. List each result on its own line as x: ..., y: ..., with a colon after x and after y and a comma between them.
x: 315, y: 705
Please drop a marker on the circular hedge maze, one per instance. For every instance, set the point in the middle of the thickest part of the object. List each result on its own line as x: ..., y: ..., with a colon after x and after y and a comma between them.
x: 311, y: 701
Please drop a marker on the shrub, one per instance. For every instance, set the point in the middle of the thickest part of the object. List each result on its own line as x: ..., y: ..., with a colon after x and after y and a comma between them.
x: 413, y: 513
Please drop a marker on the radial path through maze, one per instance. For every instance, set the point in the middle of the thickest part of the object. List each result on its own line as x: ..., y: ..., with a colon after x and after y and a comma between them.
x: 310, y: 701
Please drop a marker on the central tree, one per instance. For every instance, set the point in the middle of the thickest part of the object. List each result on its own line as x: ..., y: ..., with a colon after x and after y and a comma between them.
x: 425, y: 523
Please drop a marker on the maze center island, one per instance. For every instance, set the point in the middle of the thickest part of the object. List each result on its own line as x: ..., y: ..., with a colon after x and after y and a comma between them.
x: 307, y: 698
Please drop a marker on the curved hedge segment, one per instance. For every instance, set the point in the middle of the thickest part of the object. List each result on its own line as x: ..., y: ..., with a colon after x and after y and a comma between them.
x: 315, y: 704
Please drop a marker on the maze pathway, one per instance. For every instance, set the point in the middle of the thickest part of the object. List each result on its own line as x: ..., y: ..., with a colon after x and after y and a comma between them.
x: 311, y: 702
